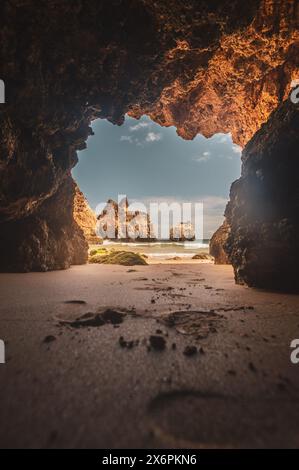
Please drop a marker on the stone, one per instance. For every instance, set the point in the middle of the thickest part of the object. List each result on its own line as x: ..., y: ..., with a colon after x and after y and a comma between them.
x: 85, y: 217
x: 47, y: 239
x: 49, y: 339
x: 124, y: 258
x: 95, y: 319
x: 190, y: 351
x: 157, y: 342
x: 263, y: 211
x: 217, y: 244
x: 117, y: 222
x: 202, y: 256
x: 182, y: 232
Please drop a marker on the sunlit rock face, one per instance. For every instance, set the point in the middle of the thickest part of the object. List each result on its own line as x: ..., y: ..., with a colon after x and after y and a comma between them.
x: 263, y: 212
x: 204, y: 67
x: 217, y: 244
x: 183, y: 231
x: 233, y: 71
x: 85, y: 217
x: 119, y: 222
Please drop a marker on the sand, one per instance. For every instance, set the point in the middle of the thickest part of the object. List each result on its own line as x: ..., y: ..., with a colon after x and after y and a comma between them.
x: 108, y: 386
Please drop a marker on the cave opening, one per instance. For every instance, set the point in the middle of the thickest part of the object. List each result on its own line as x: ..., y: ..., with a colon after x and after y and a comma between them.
x: 126, y: 352
x: 152, y: 165
x: 201, y: 67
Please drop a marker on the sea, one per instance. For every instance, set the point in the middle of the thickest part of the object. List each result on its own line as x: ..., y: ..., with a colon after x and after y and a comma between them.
x: 163, y: 249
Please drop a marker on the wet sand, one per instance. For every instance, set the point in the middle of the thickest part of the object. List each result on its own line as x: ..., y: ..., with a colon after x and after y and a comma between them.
x: 110, y: 386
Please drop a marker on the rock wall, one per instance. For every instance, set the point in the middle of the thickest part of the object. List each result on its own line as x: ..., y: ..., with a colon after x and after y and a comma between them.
x: 234, y: 69
x: 47, y: 239
x: 85, y: 217
x: 204, y: 67
x: 218, y: 242
x: 263, y: 212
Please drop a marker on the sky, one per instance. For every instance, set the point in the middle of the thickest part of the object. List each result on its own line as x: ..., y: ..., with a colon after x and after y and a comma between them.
x: 147, y: 162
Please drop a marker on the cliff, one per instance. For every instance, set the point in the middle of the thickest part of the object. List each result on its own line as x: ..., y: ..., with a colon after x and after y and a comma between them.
x: 263, y: 212
x: 117, y: 222
x: 85, y: 217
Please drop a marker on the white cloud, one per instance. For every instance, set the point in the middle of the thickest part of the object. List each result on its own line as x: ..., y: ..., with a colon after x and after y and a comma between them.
x: 237, y: 149
x: 140, y: 125
x: 204, y: 157
x: 213, y: 207
x: 227, y: 139
x: 126, y: 138
x: 153, y: 137
x: 223, y: 138
x: 150, y: 136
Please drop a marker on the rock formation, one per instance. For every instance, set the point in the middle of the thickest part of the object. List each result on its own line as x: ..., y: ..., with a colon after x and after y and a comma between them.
x: 117, y: 222
x: 204, y: 67
x: 124, y: 258
x: 218, y: 242
x: 263, y: 211
x: 47, y: 239
x: 236, y: 61
x: 85, y: 217
x: 182, y: 232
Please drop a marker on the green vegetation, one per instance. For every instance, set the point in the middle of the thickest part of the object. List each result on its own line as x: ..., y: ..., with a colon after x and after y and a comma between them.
x: 125, y: 258
x: 98, y: 251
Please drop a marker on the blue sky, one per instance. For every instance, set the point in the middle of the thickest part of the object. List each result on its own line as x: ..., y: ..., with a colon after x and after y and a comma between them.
x: 152, y: 163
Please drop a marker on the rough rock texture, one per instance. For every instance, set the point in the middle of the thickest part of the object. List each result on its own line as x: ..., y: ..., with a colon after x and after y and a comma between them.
x: 263, y: 211
x: 233, y: 70
x: 182, y: 232
x: 85, y: 217
x: 48, y: 239
x: 218, y: 242
x: 124, y: 258
x: 202, y: 66
x: 117, y: 222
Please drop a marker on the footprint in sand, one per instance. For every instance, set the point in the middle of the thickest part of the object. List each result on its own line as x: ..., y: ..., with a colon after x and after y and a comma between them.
x: 196, y: 419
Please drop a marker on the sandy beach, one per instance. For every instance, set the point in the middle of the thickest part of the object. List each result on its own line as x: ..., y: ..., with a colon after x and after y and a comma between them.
x: 110, y: 385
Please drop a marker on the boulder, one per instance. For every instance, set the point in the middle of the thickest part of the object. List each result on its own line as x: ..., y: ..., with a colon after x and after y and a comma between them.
x: 217, y: 244
x: 182, y: 232
x: 263, y: 211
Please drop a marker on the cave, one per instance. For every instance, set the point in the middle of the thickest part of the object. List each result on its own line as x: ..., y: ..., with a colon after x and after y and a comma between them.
x: 204, y: 67
x: 168, y: 70
x: 159, y: 356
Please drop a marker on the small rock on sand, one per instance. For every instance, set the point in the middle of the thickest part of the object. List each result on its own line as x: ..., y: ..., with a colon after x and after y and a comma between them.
x: 49, y: 339
x: 91, y: 319
x: 190, y: 351
x: 157, y: 342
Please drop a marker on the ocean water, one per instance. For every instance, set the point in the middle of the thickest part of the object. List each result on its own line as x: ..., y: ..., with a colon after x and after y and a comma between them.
x: 163, y: 250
